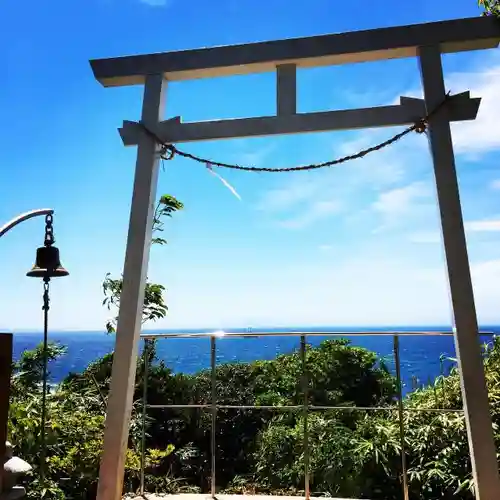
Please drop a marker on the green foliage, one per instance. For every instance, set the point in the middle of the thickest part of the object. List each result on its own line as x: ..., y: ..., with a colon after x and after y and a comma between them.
x: 74, y: 433
x: 28, y: 370
x: 166, y: 206
x: 491, y: 7
x: 154, y: 303
x: 154, y: 307
x: 338, y: 374
x: 352, y: 453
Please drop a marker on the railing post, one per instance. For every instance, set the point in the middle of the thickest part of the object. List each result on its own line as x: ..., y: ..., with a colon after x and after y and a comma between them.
x: 397, y: 362
x: 305, y: 413
x: 144, y: 411
x: 214, y: 411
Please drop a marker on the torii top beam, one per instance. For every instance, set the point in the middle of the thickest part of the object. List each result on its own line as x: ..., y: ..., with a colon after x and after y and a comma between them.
x: 324, y: 50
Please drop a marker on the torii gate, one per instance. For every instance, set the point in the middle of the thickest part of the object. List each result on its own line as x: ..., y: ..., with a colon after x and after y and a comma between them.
x: 425, y: 41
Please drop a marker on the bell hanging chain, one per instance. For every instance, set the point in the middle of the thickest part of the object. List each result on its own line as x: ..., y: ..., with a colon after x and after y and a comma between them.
x: 45, y: 308
x: 49, y: 230
x: 48, y: 242
x: 47, y: 266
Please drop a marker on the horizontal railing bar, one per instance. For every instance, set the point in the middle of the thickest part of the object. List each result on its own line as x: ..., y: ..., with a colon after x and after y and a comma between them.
x: 296, y: 334
x: 260, y: 407
x: 230, y: 407
x: 380, y: 408
x: 179, y: 406
x: 441, y: 410
x: 298, y: 407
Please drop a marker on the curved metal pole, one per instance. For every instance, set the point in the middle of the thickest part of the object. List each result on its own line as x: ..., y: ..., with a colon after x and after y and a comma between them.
x: 21, y: 218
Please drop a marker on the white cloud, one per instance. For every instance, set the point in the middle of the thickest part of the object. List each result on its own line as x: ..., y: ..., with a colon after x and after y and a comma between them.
x: 401, y: 204
x: 355, y: 183
x: 295, y: 191
x: 401, y: 199
x: 495, y: 184
x: 486, y: 225
x: 367, y: 287
x: 316, y: 211
x: 248, y: 154
x: 381, y: 168
x: 474, y: 226
x: 480, y: 135
x: 424, y: 237
x: 326, y: 248
x: 365, y: 291
x: 346, y: 185
x: 485, y: 279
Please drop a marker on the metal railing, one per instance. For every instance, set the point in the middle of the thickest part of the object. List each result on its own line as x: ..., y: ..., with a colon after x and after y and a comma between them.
x: 305, y: 407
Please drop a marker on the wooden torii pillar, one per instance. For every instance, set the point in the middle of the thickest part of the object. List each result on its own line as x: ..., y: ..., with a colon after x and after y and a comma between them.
x: 426, y: 42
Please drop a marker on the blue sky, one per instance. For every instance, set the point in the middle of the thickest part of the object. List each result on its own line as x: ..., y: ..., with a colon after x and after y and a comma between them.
x: 354, y: 245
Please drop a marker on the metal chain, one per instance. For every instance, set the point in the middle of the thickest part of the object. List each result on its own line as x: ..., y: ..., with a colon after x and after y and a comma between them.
x: 168, y: 151
x: 43, y: 444
x: 46, y: 298
x: 49, y: 230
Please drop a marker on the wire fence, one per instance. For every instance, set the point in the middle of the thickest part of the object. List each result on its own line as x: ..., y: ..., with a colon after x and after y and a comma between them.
x: 305, y: 407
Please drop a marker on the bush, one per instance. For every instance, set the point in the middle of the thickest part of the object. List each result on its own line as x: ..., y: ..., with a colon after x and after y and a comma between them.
x: 352, y: 453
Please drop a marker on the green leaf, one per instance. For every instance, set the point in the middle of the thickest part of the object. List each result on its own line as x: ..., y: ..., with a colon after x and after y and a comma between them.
x: 154, y: 307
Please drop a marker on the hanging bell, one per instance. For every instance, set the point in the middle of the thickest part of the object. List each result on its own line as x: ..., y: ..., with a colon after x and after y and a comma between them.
x: 48, y: 264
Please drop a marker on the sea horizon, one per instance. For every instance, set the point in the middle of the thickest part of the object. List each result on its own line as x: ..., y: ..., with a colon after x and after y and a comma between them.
x: 423, y: 357
x: 493, y: 328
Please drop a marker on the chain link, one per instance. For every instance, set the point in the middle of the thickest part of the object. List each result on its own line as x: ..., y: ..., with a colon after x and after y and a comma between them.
x: 49, y: 230
x: 46, y: 297
x: 168, y: 151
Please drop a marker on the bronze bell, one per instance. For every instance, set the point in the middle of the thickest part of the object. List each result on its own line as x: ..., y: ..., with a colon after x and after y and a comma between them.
x: 48, y: 264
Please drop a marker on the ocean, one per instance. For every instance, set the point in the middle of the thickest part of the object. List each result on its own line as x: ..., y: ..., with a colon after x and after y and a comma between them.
x: 420, y: 355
